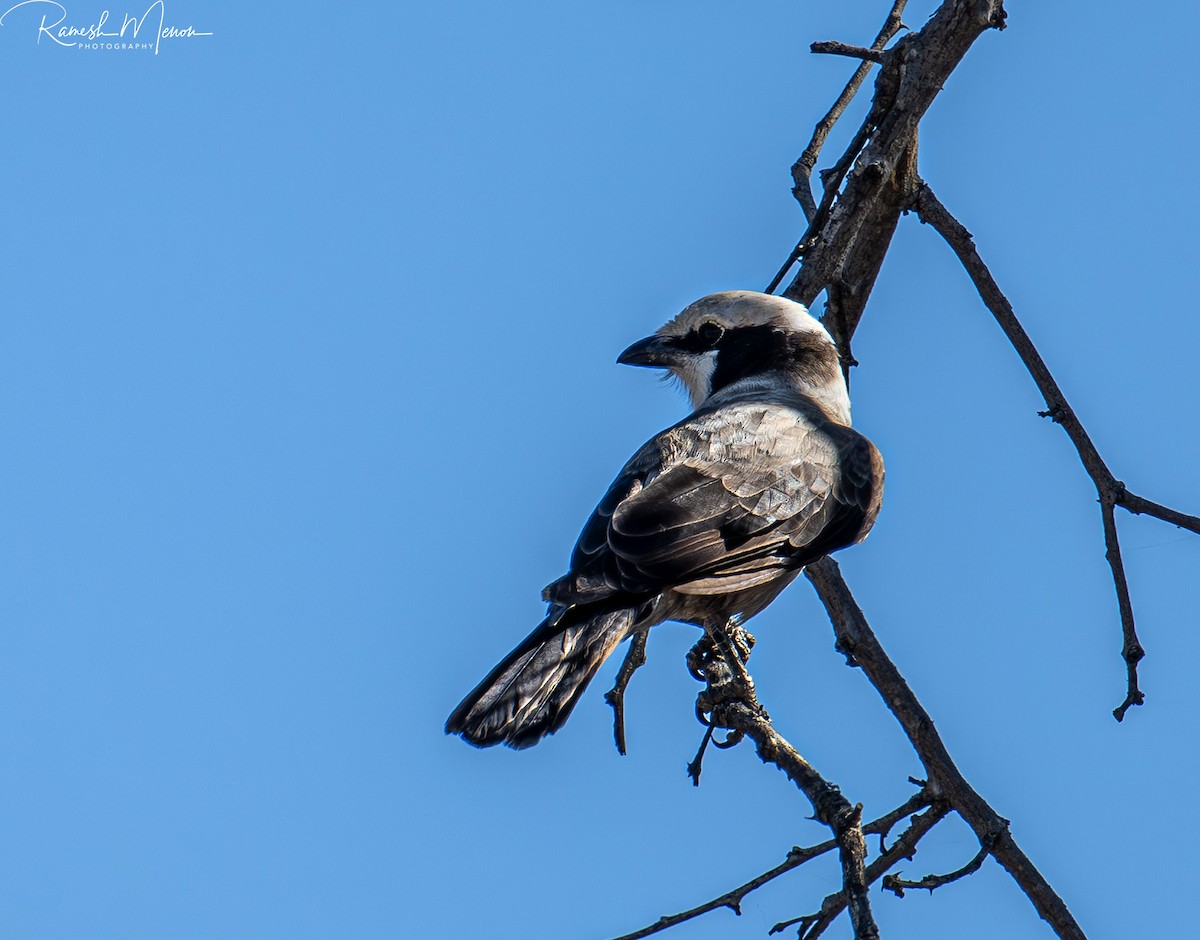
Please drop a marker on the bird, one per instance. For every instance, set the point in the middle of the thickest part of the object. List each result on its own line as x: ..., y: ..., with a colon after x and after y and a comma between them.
x: 708, y: 521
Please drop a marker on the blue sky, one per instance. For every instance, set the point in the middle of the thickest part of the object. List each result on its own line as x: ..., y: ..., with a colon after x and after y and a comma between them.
x: 307, y: 383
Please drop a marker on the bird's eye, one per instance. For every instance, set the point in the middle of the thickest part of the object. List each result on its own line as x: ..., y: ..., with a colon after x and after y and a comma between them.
x: 710, y: 333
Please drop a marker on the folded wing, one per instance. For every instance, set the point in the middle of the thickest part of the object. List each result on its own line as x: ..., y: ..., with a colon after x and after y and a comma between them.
x: 726, y: 500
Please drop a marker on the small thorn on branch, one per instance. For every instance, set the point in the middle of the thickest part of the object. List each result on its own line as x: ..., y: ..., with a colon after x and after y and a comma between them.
x: 854, y: 52
x: 898, y: 885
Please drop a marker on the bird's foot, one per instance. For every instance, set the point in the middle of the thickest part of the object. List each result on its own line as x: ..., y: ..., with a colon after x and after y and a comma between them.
x: 740, y: 640
x: 729, y: 680
x: 697, y: 655
x: 719, y: 660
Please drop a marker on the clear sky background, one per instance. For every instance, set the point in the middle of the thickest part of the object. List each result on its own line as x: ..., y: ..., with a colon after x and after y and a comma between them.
x: 307, y: 384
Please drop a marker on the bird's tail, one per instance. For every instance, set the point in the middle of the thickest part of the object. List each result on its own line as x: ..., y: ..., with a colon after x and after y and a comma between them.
x: 531, y: 692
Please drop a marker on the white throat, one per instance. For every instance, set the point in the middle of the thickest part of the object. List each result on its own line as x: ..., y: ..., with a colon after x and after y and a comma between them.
x: 696, y: 375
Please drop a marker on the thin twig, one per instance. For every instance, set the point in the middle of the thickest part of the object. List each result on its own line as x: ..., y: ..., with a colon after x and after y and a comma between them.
x: 832, y: 180
x: 829, y: 806
x: 1131, y: 647
x: 696, y: 765
x: 905, y: 847
x: 930, y: 883
x: 931, y: 211
x: 803, y: 167
x: 634, y: 660
x: 1139, y: 505
x: 853, y: 52
x: 795, y: 858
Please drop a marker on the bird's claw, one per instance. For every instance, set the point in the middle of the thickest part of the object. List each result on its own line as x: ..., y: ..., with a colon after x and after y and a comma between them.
x: 718, y: 659
x: 697, y: 656
x: 741, y: 640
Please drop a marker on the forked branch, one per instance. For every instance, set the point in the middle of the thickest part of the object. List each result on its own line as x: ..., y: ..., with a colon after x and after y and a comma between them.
x: 946, y: 782
x: 842, y: 249
x: 803, y: 167
x: 1111, y: 491
x: 795, y: 858
x: 730, y: 700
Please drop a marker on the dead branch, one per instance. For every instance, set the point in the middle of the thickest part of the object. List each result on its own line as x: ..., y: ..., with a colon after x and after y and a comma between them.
x: 812, y: 926
x: 847, y: 236
x: 946, y: 782
x: 795, y: 858
x: 1131, y: 648
x: 898, y: 885
x: 634, y: 660
x: 730, y: 699
x: 853, y: 52
x: 1111, y: 491
x: 803, y: 167
x: 850, y: 246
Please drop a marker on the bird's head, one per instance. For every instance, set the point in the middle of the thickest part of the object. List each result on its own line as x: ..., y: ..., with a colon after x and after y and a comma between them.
x: 743, y: 336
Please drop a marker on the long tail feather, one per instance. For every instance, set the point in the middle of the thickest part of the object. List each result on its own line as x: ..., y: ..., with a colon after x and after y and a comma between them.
x: 531, y: 692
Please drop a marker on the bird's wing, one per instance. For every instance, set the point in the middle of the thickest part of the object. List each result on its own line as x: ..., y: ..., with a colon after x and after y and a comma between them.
x: 725, y: 500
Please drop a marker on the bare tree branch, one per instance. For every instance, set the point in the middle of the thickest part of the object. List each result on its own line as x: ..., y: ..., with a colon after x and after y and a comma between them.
x: 795, y: 858
x: 831, y: 179
x: 946, y: 782
x: 1139, y: 505
x: 634, y: 660
x: 1112, y: 492
x: 729, y: 698
x: 850, y: 246
x: 897, y: 885
x: 931, y: 211
x: 813, y: 925
x: 1131, y: 648
x: 803, y: 167
x: 848, y: 234
x: 853, y: 52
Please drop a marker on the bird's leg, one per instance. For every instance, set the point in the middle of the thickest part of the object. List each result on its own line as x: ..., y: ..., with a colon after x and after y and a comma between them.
x: 719, y: 660
x: 742, y: 641
x: 634, y: 660
x: 733, y: 643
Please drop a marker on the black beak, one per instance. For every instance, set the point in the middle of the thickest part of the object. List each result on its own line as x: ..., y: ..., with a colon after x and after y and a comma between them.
x: 651, y: 351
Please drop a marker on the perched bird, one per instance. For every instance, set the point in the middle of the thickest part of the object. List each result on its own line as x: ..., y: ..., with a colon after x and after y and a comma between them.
x: 708, y: 521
